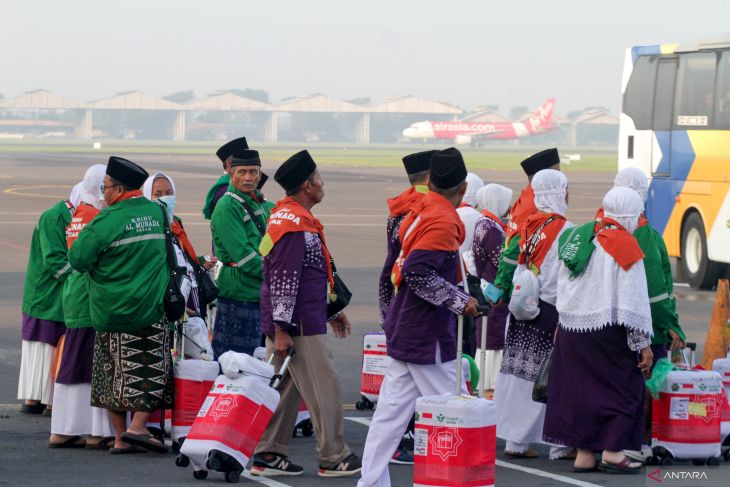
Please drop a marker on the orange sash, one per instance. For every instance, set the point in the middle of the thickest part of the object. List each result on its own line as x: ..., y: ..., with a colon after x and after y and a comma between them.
x: 544, y: 241
x: 182, y: 239
x: 432, y: 225
x: 404, y: 202
x: 84, y: 214
x: 523, y: 208
x: 289, y: 216
x: 619, y: 243
x: 135, y: 193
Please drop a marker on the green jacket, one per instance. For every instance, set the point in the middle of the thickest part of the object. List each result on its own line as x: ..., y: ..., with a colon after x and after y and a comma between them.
x: 507, y: 265
x: 659, y: 281
x: 123, y: 250
x: 236, y: 241
x: 48, y: 265
x: 210, y: 204
x: 76, y: 310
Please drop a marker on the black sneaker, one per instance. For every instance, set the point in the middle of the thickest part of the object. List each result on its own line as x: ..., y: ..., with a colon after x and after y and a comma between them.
x: 273, y: 465
x: 351, y: 465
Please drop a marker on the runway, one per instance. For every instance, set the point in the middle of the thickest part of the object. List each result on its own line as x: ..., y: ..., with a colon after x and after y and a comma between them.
x: 353, y: 213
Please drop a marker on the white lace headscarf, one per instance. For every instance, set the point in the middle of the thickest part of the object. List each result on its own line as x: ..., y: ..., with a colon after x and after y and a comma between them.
x: 633, y: 178
x: 473, y: 183
x: 550, y: 187
x: 147, y: 186
x: 89, y: 190
x: 495, y: 199
x: 623, y: 205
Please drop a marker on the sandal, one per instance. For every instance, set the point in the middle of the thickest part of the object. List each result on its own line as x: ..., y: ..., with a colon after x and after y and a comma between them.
x: 146, y: 441
x: 529, y: 453
x: 36, y: 408
x: 621, y: 467
x: 126, y: 451
x: 594, y: 468
x: 101, y: 444
x: 70, y: 442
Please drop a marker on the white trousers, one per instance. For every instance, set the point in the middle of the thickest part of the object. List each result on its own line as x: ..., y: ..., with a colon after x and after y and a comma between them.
x: 402, y: 385
x: 35, y: 383
x: 74, y: 415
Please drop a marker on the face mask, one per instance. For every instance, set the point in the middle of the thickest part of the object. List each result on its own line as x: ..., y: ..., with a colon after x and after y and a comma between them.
x: 170, y: 202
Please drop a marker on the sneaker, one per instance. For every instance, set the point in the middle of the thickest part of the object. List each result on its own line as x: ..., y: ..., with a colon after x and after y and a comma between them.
x: 402, y: 457
x: 274, y: 466
x: 347, y: 467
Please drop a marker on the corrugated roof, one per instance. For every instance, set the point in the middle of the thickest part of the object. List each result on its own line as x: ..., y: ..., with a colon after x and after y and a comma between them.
x: 319, y: 103
x: 135, y: 100
x: 42, y: 99
x: 228, y: 101
x: 414, y: 104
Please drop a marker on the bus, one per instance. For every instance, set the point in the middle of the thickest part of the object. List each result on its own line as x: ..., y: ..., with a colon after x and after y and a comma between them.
x: 675, y: 126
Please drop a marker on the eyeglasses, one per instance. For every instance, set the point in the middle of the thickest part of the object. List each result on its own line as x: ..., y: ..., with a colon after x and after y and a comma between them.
x: 104, y: 188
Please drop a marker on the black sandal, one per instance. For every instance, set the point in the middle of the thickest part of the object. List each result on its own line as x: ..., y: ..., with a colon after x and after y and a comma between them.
x: 146, y: 441
x: 621, y: 467
x: 70, y: 442
x: 126, y: 451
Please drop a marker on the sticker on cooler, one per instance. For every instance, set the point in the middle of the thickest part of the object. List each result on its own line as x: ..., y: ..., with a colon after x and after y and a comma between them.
x: 686, y: 417
x: 722, y: 366
x: 232, y: 419
x: 375, y: 361
x: 454, y: 441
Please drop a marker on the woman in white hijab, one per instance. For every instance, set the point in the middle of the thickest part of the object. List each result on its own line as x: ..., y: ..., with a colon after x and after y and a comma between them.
x: 596, y: 387
x: 161, y: 187
x: 494, y: 201
x: 469, y: 217
x: 528, y: 341
x: 73, y: 416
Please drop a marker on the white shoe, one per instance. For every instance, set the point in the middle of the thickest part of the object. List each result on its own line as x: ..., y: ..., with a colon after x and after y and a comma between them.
x: 639, y: 456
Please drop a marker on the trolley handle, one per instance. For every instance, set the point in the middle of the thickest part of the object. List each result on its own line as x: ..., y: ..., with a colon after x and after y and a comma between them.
x: 277, y: 378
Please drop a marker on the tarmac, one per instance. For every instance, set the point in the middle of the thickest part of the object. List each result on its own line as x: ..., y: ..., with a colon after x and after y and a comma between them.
x: 353, y: 213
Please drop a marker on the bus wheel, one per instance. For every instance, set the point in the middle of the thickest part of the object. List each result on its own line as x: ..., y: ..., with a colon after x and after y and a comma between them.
x: 700, y: 271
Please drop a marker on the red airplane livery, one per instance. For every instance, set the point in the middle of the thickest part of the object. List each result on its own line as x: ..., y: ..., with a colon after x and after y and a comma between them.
x: 467, y: 132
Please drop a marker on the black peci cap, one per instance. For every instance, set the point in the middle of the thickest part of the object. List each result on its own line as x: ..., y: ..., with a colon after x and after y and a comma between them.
x: 245, y: 157
x: 126, y: 172
x: 262, y: 181
x: 447, y: 169
x: 227, y: 149
x: 542, y: 160
x: 418, y: 161
x: 295, y: 170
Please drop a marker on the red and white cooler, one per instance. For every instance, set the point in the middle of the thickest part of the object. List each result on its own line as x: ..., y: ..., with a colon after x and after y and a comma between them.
x: 193, y: 380
x: 375, y: 361
x: 455, y: 441
x: 231, y: 420
x: 686, y: 417
x: 722, y: 367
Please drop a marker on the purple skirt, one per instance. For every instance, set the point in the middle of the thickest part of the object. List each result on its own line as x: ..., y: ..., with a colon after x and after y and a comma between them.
x: 595, y: 392
x: 45, y: 331
x: 78, y: 357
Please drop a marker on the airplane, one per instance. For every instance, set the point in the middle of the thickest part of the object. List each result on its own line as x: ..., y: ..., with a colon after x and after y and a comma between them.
x: 462, y: 132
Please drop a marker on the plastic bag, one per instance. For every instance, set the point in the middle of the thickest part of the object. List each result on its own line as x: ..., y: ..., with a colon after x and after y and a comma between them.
x: 234, y: 365
x: 525, y: 301
x: 197, y: 344
x: 654, y: 383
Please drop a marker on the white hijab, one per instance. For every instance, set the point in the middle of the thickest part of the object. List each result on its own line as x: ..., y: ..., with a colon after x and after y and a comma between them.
x: 633, y: 178
x: 91, y: 192
x: 473, y: 184
x: 75, y: 196
x: 550, y: 187
x: 623, y: 205
x: 495, y: 199
x: 147, y: 186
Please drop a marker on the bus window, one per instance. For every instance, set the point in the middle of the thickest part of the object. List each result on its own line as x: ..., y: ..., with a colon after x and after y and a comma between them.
x: 695, y: 90
x: 722, y: 107
x: 639, y: 96
x: 664, y: 94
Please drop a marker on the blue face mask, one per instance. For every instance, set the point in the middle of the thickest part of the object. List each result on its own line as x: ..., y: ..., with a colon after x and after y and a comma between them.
x: 170, y: 202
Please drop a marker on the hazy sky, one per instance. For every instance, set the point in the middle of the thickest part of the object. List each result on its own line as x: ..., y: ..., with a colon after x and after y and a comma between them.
x: 503, y: 52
